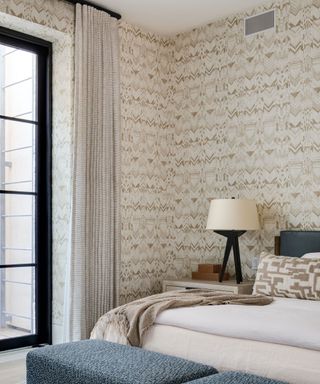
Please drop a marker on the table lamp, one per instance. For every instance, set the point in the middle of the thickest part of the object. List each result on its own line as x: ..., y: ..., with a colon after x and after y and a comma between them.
x: 232, y: 218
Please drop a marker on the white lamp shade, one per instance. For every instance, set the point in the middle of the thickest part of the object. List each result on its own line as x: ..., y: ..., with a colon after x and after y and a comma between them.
x: 233, y: 214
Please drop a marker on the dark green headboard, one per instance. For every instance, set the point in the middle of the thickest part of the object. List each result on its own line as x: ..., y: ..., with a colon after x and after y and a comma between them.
x: 297, y: 243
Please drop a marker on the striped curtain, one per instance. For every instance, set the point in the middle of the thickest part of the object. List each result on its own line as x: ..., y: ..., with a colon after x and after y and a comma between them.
x: 95, y: 223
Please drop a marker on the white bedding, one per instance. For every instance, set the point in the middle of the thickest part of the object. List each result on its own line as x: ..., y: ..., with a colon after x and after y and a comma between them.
x: 290, y: 364
x: 290, y: 322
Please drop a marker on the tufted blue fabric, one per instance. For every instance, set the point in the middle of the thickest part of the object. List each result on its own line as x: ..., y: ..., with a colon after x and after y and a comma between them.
x: 101, y: 362
x: 235, y: 378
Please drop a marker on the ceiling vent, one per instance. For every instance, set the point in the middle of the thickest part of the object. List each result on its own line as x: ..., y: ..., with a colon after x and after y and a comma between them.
x: 259, y: 23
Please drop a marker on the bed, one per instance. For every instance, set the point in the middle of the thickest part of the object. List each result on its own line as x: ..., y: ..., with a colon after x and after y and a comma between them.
x: 280, y: 341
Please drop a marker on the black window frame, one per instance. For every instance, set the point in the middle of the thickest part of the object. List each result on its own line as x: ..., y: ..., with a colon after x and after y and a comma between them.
x: 42, y: 191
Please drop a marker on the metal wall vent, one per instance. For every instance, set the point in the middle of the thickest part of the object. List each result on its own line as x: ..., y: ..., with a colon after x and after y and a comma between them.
x: 259, y: 23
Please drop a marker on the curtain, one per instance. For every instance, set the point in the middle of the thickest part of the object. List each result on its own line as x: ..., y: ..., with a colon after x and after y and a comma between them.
x: 95, y: 218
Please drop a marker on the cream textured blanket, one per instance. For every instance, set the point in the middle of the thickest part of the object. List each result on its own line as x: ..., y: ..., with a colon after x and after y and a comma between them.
x: 128, y: 323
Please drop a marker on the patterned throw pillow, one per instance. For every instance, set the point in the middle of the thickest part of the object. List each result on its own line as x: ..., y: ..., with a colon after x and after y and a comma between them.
x: 284, y: 276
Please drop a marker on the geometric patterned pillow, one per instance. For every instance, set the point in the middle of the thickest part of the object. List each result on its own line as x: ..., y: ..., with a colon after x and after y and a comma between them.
x: 284, y: 276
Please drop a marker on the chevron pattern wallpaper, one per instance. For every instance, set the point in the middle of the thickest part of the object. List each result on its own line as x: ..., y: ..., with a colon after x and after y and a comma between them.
x: 247, y: 124
x: 55, y: 14
x: 212, y: 114
x: 147, y: 128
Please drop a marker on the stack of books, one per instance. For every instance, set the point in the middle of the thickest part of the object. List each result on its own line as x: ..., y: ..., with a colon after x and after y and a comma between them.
x: 209, y: 272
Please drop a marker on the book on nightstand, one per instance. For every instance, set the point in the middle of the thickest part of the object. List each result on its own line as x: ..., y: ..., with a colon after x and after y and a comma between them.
x: 209, y: 268
x: 209, y: 272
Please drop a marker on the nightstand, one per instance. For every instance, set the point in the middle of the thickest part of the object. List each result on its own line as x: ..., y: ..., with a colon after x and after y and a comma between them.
x: 229, y: 286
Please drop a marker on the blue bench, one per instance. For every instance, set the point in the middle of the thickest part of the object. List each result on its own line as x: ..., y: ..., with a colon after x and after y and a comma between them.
x: 101, y: 362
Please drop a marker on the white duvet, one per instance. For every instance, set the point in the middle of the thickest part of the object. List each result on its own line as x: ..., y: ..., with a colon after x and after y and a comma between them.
x: 290, y: 322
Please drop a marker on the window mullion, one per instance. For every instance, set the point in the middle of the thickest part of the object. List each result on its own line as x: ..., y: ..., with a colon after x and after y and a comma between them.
x: 18, y: 120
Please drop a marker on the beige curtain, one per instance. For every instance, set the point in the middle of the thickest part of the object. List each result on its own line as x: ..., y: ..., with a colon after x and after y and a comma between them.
x: 95, y: 223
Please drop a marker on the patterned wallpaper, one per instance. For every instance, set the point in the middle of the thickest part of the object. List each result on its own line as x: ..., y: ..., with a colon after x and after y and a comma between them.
x: 146, y: 94
x: 212, y: 114
x: 247, y: 122
x: 55, y: 14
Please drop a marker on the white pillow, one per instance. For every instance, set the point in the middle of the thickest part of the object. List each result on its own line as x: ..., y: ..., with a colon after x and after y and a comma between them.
x: 314, y: 255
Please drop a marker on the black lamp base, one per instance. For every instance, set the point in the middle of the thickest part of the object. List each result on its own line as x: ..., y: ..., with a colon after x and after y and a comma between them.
x: 232, y: 243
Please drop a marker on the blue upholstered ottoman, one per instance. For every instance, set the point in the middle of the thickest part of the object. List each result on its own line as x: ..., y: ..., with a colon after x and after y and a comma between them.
x: 101, y: 362
x: 235, y: 378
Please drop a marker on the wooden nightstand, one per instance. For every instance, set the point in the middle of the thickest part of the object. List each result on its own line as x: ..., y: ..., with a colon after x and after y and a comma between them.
x: 226, y: 286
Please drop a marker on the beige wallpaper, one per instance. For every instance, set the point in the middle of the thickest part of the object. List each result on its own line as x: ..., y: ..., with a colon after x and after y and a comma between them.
x: 212, y: 114
x: 247, y: 124
x: 55, y: 14
x: 146, y: 94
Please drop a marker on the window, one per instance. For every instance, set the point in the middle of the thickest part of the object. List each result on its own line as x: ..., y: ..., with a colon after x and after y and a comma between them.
x: 25, y: 190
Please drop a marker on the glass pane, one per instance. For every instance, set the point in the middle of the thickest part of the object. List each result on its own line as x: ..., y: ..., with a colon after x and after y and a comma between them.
x: 17, y: 82
x: 14, y: 256
x: 18, y: 99
x: 17, y: 302
x: 12, y: 205
x: 17, y: 229
x: 16, y: 134
x: 17, y: 171
x: 14, y: 71
x: 18, y: 233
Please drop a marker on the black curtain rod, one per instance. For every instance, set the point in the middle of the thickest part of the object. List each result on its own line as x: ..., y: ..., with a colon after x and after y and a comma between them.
x: 83, y: 2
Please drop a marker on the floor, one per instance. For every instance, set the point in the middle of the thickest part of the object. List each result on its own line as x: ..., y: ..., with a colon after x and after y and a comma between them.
x: 12, y: 366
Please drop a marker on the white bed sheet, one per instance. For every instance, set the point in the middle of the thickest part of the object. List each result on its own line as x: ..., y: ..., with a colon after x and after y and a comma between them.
x: 290, y: 322
x: 290, y: 364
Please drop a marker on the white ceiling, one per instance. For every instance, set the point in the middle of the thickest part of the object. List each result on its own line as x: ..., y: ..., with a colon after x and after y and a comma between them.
x: 167, y: 17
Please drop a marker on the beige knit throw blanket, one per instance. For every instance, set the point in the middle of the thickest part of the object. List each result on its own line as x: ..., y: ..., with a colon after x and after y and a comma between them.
x: 128, y: 323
